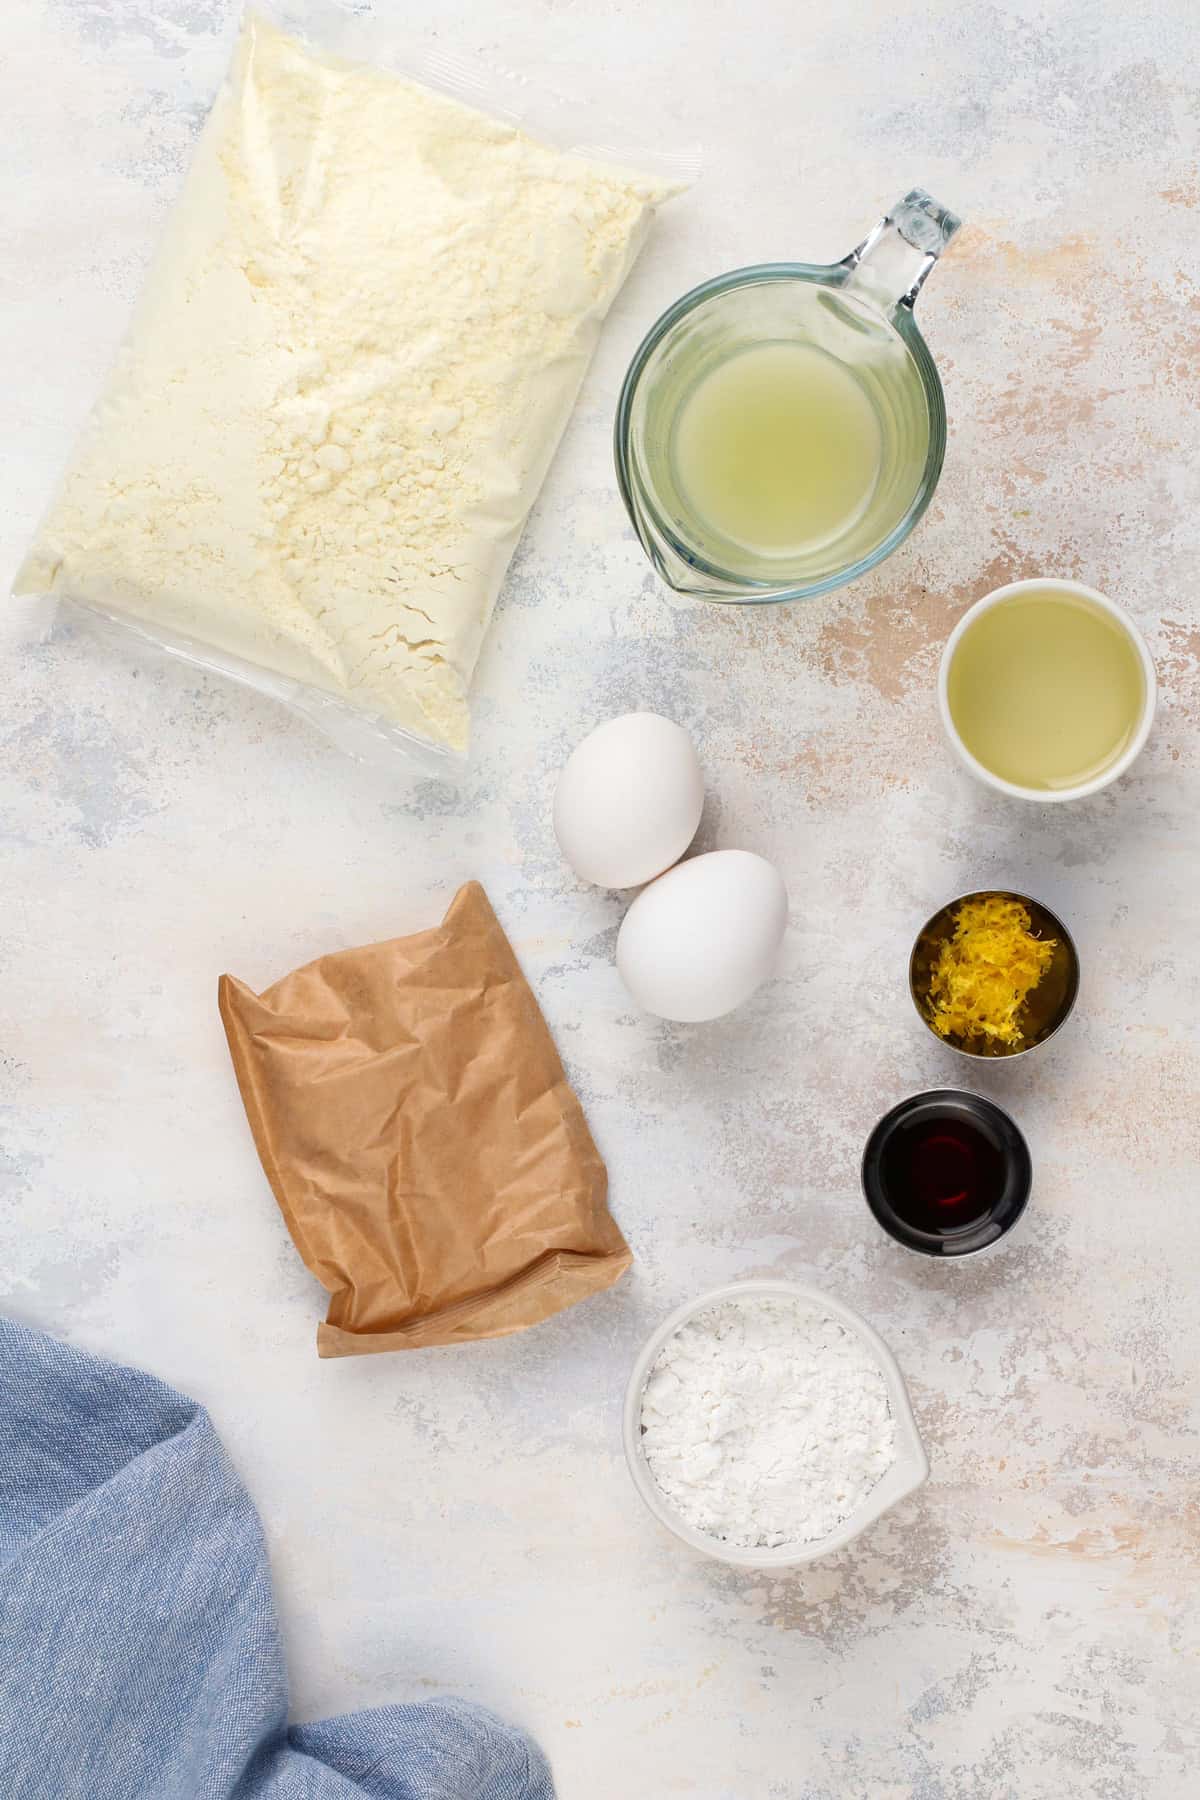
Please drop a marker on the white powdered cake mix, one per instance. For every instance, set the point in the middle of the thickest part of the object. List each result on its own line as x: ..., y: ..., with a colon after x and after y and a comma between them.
x: 354, y: 357
x: 766, y: 1423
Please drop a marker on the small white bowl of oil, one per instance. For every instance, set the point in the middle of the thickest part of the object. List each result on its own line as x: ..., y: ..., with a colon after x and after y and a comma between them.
x: 1047, y: 690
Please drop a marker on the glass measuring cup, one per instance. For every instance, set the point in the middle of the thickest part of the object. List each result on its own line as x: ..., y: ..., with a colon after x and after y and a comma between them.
x: 859, y: 313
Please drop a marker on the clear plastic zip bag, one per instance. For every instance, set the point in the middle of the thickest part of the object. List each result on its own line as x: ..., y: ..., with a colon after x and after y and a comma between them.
x: 352, y: 361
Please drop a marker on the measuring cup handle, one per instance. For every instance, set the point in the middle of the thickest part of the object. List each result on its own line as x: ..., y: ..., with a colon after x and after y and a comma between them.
x: 891, y: 263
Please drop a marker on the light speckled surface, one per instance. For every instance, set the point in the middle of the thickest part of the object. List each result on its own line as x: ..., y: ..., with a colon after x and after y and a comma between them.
x: 1026, y: 1627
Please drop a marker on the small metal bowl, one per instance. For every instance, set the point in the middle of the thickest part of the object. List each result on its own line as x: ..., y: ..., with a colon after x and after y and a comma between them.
x: 1049, y: 1005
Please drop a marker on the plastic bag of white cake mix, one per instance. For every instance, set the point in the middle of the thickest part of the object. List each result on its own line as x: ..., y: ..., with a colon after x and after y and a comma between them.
x: 350, y: 366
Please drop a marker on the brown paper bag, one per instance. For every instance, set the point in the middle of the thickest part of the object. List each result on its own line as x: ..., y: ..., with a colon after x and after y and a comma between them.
x: 435, y: 1170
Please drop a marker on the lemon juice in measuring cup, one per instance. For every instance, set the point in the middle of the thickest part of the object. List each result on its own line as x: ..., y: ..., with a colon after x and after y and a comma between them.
x: 776, y: 450
x: 782, y: 428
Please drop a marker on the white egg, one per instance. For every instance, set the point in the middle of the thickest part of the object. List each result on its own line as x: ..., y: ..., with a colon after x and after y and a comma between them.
x: 700, y: 939
x: 629, y: 800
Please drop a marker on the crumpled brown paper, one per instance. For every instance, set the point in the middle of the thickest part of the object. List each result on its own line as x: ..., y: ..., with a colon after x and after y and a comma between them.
x: 434, y: 1168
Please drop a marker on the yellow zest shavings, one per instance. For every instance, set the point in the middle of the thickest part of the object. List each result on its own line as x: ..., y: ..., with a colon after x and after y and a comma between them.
x: 986, y: 970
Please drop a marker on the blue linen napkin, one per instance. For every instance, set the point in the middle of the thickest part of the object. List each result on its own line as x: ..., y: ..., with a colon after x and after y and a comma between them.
x: 140, y: 1657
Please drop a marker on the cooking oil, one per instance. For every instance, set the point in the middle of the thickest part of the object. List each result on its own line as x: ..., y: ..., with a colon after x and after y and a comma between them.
x: 1046, y: 690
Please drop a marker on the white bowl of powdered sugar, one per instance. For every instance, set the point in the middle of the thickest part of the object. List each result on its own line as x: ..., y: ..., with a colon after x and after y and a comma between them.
x: 767, y: 1424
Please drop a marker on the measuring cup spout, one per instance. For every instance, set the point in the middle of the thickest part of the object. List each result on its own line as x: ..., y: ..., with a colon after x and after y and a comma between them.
x: 890, y: 265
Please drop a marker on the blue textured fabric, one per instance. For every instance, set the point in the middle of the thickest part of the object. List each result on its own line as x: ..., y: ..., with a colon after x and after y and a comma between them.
x: 139, y: 1654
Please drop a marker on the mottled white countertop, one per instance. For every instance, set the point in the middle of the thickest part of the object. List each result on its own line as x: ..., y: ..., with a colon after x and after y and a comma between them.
x: 462, y: 1519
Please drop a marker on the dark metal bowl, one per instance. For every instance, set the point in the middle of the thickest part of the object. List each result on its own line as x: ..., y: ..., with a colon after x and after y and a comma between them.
x: 946, y: 1106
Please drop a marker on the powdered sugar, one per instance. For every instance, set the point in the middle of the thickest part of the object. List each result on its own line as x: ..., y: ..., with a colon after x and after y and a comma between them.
x: 766, y: 1422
